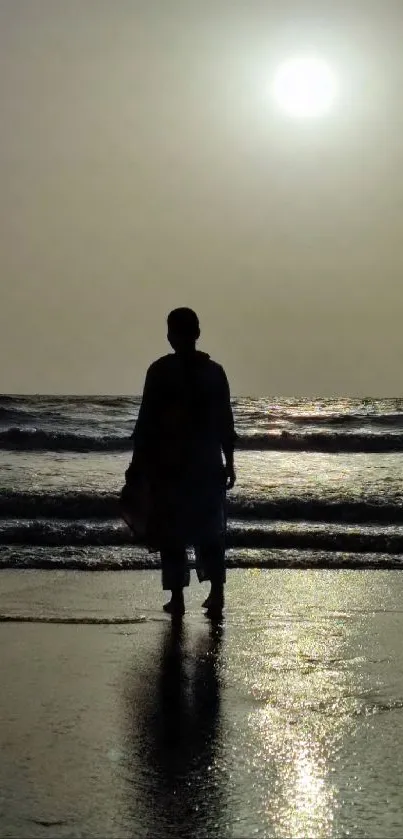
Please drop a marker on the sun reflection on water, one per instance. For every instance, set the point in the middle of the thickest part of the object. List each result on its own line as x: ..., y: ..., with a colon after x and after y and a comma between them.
x: 302, y: 800
x: 302, y: 671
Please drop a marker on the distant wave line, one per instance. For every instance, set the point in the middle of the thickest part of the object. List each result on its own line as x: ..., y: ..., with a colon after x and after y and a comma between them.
x: 17, y: 439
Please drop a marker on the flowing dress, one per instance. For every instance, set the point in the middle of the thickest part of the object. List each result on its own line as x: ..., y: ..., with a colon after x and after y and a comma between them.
x: 184, y: 424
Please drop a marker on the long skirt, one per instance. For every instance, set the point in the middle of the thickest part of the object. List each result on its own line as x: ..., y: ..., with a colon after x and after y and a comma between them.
x: 187, y: 509
x: 172, y: 511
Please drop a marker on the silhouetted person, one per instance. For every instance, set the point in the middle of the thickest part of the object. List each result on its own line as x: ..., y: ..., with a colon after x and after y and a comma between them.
x: 184, y: 438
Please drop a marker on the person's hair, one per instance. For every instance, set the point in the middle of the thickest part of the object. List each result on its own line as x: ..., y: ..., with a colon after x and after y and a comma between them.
x: 184, y: 322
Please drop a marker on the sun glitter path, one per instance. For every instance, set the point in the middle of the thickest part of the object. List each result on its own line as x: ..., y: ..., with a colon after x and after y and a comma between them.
x: 285, y: 721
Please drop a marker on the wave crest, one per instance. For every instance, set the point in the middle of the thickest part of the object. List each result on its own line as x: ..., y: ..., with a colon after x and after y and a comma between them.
x: 136, y: 559
x: 51, y: 534
x: 81, y: 505
x: 39, y: 440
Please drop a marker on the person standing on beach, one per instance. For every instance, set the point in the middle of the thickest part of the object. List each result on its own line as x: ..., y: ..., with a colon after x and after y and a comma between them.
x: 184, y: 441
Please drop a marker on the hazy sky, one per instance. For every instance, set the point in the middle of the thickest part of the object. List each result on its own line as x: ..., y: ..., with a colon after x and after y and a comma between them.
x: 144, y: 165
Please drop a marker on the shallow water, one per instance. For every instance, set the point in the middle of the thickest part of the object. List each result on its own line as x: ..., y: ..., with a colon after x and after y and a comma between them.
x: 314, y: 475
x: 286, y: 721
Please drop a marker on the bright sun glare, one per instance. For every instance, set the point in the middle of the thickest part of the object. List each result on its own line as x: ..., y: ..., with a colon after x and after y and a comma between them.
x: 305, y: 87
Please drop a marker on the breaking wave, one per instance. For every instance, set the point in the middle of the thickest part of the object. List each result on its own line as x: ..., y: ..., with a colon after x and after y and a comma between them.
x: 130, y: 558
x: 55, y: 534
x: 82, y: 505
x: 39, y: 440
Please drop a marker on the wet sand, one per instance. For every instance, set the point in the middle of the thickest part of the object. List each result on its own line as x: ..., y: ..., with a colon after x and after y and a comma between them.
x: 285, y: 722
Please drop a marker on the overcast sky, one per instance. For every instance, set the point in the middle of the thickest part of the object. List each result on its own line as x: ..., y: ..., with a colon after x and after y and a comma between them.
x: 144, y: 165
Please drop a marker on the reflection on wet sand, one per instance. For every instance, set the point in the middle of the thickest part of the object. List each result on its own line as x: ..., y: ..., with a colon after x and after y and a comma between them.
x: 176, y: 737
x: 294, y: 743
x: 287, y: 727
x: 302, y: 672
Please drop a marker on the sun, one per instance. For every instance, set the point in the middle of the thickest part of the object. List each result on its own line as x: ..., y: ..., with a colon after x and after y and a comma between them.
x: 305, y: 87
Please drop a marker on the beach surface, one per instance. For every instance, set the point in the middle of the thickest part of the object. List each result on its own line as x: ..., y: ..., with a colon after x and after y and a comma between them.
x: 286, y: 721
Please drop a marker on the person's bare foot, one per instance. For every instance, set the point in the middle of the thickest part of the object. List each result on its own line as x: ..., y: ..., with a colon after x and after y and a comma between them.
x: 175, y: 606
x: 215, y: 605
x: 216, y: 595
x: 215, y: 611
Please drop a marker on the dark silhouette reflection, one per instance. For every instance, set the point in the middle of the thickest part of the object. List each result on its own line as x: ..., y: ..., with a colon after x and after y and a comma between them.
x: 175, y: 730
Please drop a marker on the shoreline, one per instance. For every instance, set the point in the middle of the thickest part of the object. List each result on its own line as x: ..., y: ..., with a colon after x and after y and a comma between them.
x: 284, y: 721
x: 55, y: 560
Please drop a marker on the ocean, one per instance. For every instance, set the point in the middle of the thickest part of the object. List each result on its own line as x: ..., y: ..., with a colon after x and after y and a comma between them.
x: 319, y: 483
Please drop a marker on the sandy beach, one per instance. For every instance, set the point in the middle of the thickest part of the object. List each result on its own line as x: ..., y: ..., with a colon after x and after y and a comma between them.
x: 286, y: 721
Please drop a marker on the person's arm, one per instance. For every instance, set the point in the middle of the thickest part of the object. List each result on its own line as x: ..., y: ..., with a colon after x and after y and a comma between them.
x: 228, y: 435
x: 143, y: 429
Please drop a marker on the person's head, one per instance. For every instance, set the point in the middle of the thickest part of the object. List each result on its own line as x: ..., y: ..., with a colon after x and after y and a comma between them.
x: 183, y: 329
